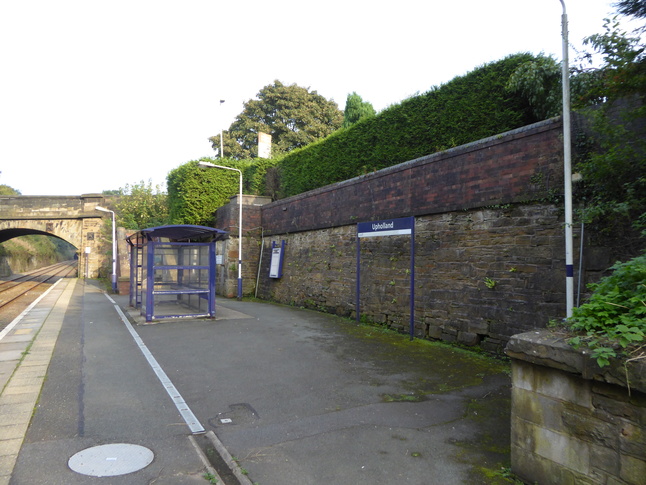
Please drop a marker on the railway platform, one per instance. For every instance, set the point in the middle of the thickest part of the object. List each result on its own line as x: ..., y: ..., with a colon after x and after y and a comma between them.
x: 263, y: 394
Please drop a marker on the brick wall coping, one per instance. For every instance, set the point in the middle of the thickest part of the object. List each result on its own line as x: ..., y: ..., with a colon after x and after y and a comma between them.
x: 549, y: 348
x: 442, y: 155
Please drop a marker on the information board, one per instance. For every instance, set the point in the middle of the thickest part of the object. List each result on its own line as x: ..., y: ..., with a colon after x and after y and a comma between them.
x: 276, y: 265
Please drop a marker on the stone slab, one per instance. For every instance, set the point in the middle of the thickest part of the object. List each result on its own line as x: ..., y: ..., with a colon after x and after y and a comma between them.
x: 551, y: 349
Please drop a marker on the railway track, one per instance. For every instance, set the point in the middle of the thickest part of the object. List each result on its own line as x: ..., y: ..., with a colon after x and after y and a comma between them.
x: 18, y: 291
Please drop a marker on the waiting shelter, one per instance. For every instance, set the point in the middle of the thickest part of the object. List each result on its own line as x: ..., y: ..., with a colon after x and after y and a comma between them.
x: 172, y: 271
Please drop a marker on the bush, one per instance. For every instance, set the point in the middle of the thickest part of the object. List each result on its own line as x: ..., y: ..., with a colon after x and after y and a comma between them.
x: 466, y: 109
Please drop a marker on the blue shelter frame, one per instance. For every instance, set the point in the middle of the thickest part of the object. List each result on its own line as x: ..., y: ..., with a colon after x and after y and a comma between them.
x: 172, y: 271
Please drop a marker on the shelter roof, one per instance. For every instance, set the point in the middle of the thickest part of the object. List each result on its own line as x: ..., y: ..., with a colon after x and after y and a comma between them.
x: 180, y: 233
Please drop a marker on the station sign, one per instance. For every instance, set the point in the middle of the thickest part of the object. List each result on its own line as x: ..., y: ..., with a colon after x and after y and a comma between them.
x: 388, y: 227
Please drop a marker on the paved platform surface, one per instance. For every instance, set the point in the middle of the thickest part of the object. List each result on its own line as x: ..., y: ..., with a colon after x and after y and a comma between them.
x: 294, y: 396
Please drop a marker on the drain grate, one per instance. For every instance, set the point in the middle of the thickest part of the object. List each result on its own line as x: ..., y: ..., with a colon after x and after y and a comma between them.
x: 111, y: 460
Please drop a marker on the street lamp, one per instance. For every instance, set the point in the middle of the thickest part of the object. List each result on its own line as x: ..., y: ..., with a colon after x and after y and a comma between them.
x: 114, y: 247
x: 221, y: 139
x: 211, y: 165
x: 567, y: 169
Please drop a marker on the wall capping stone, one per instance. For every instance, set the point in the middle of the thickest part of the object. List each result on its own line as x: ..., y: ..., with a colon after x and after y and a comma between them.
x: 549, y: 348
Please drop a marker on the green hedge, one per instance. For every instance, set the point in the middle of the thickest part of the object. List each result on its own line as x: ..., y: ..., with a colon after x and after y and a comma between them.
x: 468, y: 108
x: 194, y: 193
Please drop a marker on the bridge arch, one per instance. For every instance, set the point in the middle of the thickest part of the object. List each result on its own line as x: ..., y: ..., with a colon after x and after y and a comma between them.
x: 9, y: 233
x: 73, y: 219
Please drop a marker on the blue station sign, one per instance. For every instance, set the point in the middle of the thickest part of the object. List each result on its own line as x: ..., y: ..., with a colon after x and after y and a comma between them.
x: 389, y: 227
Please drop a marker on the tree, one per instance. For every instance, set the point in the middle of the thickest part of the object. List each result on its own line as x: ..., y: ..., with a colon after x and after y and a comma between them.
x: 140, y: 206
x: 612, y: 97
x: 294, y: 116
x: 614, y: 173
x: 636, y: 8
x: 356, y: 109
x: 539, y: 82
x: 6, y: 190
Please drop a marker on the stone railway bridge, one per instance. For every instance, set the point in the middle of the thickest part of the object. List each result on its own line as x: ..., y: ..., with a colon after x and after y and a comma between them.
x: 74, y: 219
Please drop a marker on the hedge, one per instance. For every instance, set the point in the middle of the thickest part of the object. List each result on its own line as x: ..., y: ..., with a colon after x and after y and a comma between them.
x: 468, y: 108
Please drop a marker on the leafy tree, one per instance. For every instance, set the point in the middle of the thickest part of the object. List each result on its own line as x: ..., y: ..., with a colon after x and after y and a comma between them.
x: 614, y: 173
x: 141, y: 205
x: 294, y: 116
x: 539, y: 81
x: 612, y: 98
x: 6, y: 190
x: 636, y: 8
x: 356, y: 109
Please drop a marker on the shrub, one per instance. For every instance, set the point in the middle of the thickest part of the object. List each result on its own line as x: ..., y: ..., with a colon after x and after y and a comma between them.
x: 613, y: 321
x: 465, y: 109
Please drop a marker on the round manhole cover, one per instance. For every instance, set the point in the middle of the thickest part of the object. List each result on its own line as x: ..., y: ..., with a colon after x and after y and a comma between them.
x: 111, y: 460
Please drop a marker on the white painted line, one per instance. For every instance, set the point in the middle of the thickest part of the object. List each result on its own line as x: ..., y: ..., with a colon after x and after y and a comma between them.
x: 190, y: 419
x: 15, y: 321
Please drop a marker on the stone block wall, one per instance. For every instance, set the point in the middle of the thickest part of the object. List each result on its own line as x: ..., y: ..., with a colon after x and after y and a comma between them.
x: 458, y: 256
x: 573, y: 422
x: 489, y: 243
x: 226, y: 218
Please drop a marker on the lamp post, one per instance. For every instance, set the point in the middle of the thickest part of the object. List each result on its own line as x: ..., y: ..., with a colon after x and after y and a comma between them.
x: 221, y: 138
x: 567, y: 169
x: 211, y: 165
x: 114, y: 247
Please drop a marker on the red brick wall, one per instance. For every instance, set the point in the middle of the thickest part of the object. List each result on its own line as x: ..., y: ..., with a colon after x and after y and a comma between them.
x: 520, y: 165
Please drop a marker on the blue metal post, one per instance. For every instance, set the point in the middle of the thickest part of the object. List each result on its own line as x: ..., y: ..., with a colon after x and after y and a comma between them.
x: 150, y: 281
x: 212, y: 268
x: 358, y: 291
x: 412, y: 279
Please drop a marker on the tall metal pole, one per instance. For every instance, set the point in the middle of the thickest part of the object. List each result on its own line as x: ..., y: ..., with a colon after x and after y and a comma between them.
x: 240, y: 239
x: 221, y: 131
x: 567, y: 168
x: 211, y: 165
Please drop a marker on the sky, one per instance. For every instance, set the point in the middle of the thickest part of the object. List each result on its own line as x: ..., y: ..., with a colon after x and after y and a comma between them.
x: 96, y: 95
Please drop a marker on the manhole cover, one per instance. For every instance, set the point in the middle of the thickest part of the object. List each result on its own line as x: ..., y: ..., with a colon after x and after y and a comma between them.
x: 111, y: 460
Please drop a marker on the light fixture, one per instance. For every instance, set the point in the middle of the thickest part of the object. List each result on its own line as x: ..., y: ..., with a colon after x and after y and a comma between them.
x: 211, y: 165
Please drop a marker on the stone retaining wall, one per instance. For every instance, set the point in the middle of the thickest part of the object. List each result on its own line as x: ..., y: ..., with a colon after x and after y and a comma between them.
x: 572, y: 421
x: 489, y: 246
x: 517, y: 252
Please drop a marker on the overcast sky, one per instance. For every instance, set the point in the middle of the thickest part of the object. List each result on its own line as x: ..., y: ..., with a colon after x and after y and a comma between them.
x: 98, y: 94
